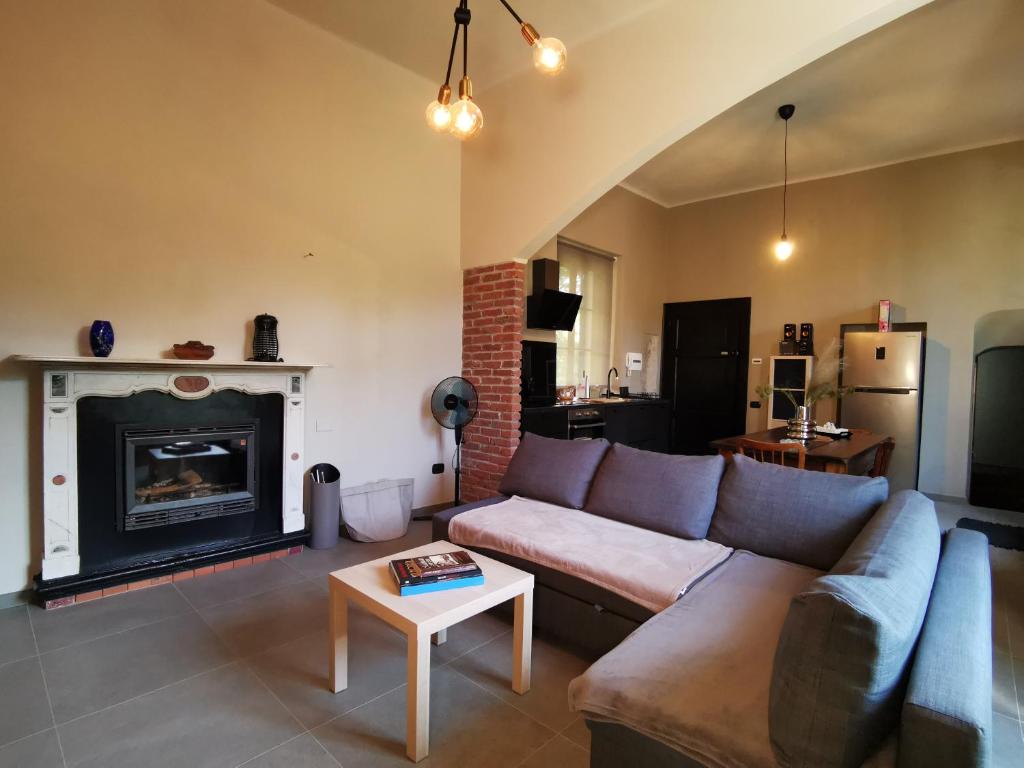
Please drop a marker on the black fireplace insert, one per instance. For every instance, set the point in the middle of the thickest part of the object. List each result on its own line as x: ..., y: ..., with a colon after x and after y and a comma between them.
x: 173, y: 475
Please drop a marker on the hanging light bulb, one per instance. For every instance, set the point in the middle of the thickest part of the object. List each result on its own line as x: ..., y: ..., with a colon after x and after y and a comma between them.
x: 548, y: 52
x: 784, y: 248
x: 466, y: 117
x: 439, y: 114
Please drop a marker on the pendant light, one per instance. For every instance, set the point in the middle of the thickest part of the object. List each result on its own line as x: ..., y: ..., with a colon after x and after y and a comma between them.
x: 784, y: 247
x: 464, y: 119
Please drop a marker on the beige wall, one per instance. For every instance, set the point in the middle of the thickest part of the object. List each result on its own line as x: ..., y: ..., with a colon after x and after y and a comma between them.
x: 941, y: 237
x: 167, y: 164
x: 550, y: 148
x: 635, y: 230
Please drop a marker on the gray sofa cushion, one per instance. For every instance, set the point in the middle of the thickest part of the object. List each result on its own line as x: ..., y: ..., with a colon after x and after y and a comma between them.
x: 697, y: 675
x: 792, y: 514
x: 947, y: 712
x: 845, y: 651
x: 668, y: 494
x: 556, y: 471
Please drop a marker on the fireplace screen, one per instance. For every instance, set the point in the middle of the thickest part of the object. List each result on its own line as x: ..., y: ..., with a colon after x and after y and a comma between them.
x: 180, y: 475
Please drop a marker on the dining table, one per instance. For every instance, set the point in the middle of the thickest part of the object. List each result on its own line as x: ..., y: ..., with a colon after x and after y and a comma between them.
x: 851, y: 455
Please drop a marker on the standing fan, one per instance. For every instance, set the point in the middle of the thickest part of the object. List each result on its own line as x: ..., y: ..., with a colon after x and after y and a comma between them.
x: 454, y: 404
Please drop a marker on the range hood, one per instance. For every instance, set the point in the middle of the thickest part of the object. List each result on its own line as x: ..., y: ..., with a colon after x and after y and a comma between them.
x: 547, y: 307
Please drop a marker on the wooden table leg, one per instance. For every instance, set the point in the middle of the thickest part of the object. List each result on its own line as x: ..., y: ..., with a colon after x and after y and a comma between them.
x: 440, y: 637
x: 338, y: 651
x: 417, y: 697
x: 522, y: 642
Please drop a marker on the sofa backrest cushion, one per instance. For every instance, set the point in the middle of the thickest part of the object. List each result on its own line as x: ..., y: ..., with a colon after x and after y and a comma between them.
x: 556, y: 471
x: 845, y: 652
x: 947, y: 712
x: 669, y: 494
x: 793, y: 514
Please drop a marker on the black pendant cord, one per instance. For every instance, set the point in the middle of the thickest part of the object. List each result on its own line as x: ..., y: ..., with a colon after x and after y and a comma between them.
x: 512, y: 11
x: 451, y: 55
x: 465, y: 44
x: 785, y: 177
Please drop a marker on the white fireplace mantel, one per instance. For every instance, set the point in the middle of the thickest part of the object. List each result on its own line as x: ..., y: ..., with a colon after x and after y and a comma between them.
x: 66, y: 379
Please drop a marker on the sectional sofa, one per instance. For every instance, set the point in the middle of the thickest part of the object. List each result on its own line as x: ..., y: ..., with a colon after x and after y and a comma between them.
x: 820, y: 623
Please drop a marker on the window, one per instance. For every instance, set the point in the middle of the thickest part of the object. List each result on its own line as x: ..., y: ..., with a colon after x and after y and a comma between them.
x: 587, y: 347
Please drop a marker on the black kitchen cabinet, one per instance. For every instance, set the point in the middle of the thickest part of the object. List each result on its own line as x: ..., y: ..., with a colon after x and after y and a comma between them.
x: 546, y: 422
x: 639, y: 425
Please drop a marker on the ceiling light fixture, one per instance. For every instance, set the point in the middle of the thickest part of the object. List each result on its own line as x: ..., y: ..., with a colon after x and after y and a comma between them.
x: 464, y: 118
x: 784, y: 247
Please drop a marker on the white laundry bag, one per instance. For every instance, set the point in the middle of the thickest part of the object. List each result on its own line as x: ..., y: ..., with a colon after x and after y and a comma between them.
x: 377, y: 511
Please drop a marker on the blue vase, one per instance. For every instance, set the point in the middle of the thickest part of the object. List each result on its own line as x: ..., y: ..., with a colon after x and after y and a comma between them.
x: 101, y: 338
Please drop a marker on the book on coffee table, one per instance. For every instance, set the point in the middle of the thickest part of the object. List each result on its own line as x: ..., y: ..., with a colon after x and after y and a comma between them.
x: 432, y: 573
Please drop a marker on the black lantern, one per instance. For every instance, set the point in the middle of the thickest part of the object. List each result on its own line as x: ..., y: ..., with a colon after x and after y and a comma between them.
x: 264, y: 339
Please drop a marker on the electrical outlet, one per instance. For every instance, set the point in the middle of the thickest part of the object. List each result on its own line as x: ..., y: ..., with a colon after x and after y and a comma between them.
x: 755, y: 403
x: 755, y: 361
x: 437, y: 469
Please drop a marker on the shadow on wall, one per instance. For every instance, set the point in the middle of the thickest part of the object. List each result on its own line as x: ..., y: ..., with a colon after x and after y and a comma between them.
x: 999, y: 329
x: 931, y: 473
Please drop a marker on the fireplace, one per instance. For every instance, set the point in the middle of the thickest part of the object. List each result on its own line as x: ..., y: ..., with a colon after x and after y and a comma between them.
x: 153, y: 468
x: 170, y: 476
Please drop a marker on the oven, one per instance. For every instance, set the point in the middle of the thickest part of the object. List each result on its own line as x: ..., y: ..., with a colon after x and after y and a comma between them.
x: 586, y: 423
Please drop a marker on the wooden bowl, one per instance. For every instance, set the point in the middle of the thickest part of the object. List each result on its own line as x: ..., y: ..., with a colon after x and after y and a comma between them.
x: 193, y: 350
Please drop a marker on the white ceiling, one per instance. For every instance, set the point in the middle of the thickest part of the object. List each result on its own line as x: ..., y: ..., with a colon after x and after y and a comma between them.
x: 417, y: 34
x: 946, y: 77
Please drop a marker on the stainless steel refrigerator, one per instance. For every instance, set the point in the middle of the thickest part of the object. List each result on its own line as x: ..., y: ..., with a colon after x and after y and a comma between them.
x: 886, y: 371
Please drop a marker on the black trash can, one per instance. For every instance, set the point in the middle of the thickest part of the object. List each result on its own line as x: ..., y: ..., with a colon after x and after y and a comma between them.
x: 325, y: 506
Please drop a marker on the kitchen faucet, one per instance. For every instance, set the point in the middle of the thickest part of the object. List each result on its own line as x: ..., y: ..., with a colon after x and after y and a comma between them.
x: 608, y: 390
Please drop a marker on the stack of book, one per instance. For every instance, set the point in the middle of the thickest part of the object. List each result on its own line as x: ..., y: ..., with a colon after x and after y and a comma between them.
x: 432, y: 573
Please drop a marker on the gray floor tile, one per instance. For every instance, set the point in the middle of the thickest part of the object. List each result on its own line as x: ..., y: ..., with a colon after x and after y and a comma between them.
x: 319, y: 562
x: 303, y: 752
x: 468, y: 727
x: 90, y: 676
x: 578, y: 733
x: 297, y: 672
x: 255, y: 624
x: 553, y: 668
x: 39, y: 751
x: 559, y: 753
x: 237, y: 583
x: 16, y: 641
x: 221, y: 718
x: 24, y: 708
x: 470, y: 634
x: 1007, y: 742
x: 97, y: 618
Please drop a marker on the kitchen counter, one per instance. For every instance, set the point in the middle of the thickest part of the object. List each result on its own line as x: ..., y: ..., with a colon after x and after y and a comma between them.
x: 637, y: 422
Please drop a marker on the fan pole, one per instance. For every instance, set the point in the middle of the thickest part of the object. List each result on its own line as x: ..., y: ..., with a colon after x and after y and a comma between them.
x: 458, y: 464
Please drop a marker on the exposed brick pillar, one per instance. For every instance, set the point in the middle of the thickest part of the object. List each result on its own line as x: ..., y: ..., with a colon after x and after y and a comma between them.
x: 492, y: 332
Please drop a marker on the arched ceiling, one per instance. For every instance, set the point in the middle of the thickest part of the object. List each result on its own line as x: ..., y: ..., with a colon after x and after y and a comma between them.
x: 946, y: 77
x: 417, y: 34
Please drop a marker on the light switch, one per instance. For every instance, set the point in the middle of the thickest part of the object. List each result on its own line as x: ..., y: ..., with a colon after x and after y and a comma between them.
x: 324, y: 426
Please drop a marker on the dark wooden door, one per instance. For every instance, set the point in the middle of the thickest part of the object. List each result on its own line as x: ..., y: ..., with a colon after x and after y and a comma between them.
x: 705, y: 345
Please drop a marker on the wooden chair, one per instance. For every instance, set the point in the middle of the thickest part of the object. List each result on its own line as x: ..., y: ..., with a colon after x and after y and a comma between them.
x: 773, y: 453
x: 883, y: 454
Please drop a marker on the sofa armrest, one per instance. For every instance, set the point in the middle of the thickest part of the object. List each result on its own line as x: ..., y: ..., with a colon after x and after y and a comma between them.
x: 439, y: 523
x: 947, y: 712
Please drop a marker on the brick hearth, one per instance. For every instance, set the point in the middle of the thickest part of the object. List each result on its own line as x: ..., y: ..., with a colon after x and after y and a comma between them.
x: 492, y: 332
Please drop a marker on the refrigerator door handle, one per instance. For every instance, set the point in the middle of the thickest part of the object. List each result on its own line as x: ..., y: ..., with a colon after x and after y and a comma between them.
x: 886, y: 390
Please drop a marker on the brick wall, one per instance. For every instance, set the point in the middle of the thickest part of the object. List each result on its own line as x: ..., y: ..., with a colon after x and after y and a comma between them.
x: 492, y: 332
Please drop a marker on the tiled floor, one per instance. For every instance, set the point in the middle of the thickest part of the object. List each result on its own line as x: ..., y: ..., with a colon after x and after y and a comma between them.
x: 230, y: 670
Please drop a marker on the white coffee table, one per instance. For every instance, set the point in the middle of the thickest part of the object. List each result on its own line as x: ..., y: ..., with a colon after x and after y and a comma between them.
x: 371, y: 586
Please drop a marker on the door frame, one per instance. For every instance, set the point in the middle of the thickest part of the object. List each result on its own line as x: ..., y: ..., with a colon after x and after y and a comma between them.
x: 743, y: 353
